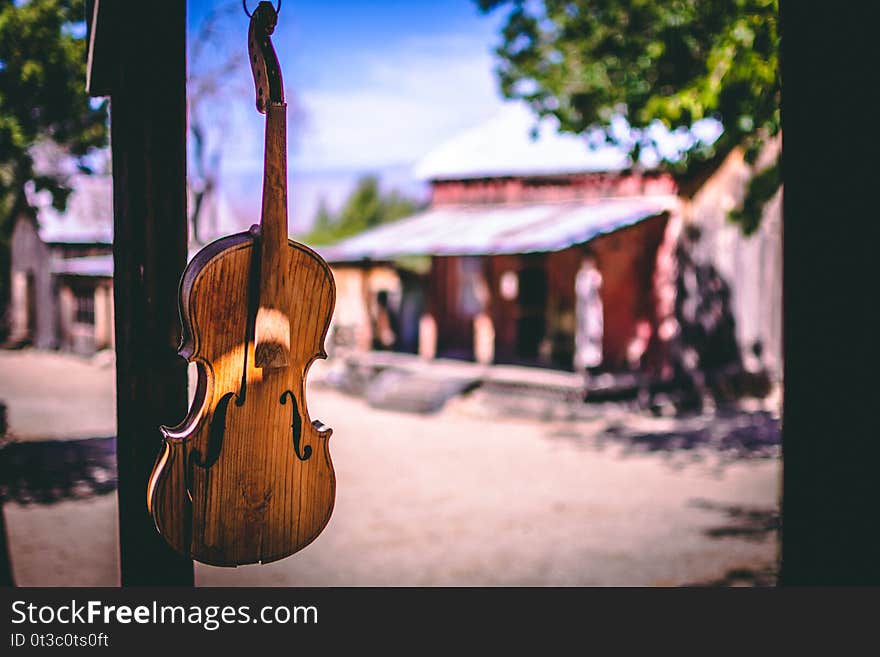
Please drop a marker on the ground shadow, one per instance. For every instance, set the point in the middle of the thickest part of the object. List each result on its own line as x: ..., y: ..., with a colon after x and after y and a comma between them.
x: 757, y: 577
x: 45, y: 472
x: 738, y: 435
x: 751, y: 523
x: 742, y: 522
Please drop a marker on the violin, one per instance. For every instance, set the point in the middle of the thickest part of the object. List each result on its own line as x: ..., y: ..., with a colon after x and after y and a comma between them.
x: 246, y: 477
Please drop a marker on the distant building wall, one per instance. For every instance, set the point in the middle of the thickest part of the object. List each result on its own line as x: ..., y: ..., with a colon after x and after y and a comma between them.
x: 104, y: 333
x: 627, y: 259
x: 751, y: 265
x: 513, y: 189
x: 85, y: 313
x: 530, y: 299
x: 357, y: 287
x: 33, y: 307
x: 456, y: 295
x: 51, y: 310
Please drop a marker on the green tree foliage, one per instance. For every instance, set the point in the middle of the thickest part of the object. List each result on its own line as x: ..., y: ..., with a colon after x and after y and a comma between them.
x: 676, y: 61
x: 366, y: 207
x: 42, y: 97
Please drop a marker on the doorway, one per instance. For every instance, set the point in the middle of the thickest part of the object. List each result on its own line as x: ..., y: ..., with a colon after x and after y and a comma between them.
x: 531, y: 311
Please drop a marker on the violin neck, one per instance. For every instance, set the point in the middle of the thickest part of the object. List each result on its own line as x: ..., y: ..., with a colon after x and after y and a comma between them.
x: 272, y: 328
x: 273, y: 222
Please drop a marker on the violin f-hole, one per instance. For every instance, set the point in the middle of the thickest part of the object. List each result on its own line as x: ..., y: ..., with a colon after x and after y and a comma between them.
x: 215, y: 435
x: 296, y: 427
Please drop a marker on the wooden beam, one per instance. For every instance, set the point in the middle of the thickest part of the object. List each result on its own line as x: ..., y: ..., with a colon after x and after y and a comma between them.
x: 6, y: 576
x: 148, y: 137
x: 101, y: 65
x: 831, y: 443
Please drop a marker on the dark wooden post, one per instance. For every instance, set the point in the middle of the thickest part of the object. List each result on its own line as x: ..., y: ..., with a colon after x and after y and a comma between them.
x: 6, y: 577
x: 831, y: 424
x: 138, y: 54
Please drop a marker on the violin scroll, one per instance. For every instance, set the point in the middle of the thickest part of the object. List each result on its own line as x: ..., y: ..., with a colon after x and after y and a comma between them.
x: 264, y: 61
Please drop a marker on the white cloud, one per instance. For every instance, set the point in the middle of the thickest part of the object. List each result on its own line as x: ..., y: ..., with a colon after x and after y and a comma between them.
x: 412, y: 96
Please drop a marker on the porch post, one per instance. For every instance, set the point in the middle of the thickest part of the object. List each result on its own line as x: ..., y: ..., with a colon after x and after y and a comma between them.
x: 831, y: 447
x: 137, y: 54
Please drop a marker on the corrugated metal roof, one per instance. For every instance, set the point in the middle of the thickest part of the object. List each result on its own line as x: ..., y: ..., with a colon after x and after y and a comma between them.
x: 88, y: 217
x: 497, y: 229
x: 101, y: 265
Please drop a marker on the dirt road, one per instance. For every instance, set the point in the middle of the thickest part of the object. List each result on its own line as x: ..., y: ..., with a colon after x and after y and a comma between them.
x: 465, y: 497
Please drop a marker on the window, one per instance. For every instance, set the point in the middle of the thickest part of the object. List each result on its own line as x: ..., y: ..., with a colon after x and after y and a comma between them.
x: 84, y: 306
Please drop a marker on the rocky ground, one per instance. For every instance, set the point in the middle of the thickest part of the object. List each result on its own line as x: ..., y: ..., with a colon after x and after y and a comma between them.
x: 491, y: 490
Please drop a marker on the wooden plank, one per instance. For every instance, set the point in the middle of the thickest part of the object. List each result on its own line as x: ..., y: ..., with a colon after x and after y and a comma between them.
x: 148, y: 137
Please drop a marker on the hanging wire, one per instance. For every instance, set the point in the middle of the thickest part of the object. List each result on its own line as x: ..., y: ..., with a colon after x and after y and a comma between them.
x: 249, y: 14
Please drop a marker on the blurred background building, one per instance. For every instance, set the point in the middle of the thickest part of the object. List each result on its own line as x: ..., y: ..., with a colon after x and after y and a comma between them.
x: 487, y: 271
x: 513, y: 214
x: 62, y: 271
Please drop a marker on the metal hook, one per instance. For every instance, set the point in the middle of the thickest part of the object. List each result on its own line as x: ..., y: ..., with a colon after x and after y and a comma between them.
x: 249, y: 14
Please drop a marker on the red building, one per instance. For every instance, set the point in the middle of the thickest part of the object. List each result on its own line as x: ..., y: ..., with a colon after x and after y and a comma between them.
x: 509, y: 223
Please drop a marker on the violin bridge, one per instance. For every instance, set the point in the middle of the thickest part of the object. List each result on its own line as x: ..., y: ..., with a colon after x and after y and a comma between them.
x: 271, y: 339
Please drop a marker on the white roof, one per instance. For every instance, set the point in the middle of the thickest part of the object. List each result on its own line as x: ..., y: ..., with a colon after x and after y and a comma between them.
x: 101, y: 265
x: 504, y: 146
x: 88, y: 218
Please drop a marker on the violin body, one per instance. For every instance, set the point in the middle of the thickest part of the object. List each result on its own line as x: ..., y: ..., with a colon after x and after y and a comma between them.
x: 246, y: 477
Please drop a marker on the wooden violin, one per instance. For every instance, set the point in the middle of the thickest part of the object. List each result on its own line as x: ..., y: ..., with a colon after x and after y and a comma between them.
x: 246, y: 477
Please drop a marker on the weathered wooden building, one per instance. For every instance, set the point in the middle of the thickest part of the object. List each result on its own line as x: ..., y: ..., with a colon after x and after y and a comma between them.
x: 520, y: 276
x: 62, y: 271
x: 750, y: 266
x: 509, y: 224
x: 510, y: 220
x: 62, y: 267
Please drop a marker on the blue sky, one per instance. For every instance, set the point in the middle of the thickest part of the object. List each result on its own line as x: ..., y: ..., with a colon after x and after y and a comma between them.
x: 372, y: 87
